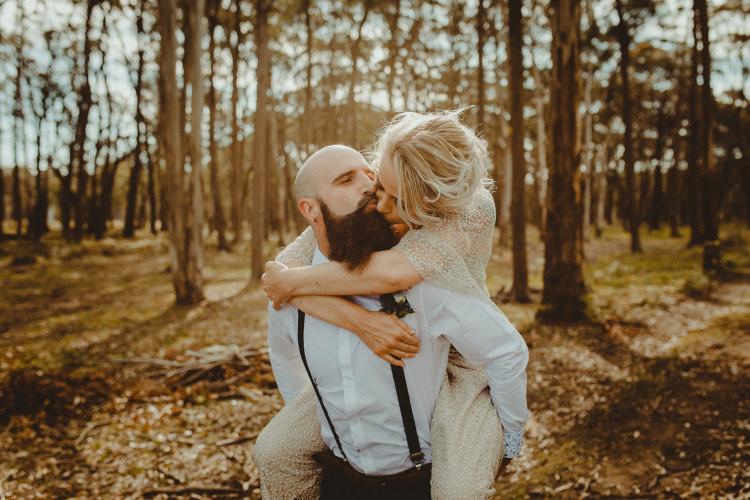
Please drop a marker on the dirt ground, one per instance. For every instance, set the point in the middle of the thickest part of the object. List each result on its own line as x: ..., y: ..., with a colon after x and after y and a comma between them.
x: 649, y: 399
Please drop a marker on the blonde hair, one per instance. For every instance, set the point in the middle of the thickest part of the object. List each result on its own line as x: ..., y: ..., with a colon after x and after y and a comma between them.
x: 439, y: 164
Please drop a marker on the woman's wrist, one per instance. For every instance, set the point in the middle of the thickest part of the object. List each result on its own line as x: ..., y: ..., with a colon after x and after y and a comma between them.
x: 354, y: 317
x: 290, y: 279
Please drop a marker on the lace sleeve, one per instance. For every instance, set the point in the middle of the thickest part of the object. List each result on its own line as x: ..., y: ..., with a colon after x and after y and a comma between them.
x: 299, y: 251
x: 455, y: 254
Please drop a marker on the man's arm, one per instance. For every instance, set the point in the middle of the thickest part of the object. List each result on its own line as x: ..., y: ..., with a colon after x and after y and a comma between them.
x: 487, y: 339
x: 286, y: 363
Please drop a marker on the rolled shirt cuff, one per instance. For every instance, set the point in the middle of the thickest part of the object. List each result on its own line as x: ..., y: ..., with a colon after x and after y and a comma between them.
x: 513, y: 443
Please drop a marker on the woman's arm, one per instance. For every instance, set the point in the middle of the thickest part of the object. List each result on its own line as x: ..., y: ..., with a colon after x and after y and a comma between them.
x: 385, y: 334
x: 300, y: 251
x: 387, y: 271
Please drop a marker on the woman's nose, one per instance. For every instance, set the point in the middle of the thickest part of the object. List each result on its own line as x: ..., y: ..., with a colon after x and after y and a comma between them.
x: 383, y: 205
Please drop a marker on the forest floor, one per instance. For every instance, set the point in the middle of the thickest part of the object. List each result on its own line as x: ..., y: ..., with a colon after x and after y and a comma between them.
x: 649, y: 399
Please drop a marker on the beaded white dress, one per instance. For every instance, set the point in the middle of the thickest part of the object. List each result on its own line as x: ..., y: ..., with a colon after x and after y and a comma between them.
x: 467, y: 437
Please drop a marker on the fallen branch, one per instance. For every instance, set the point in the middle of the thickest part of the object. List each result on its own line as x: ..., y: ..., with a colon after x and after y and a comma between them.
x: 199, y: 363
x: 232, y: 441
x: 191, y: 490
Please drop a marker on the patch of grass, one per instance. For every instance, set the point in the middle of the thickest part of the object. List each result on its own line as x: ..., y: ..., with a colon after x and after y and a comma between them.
x: 719, y: 332
x: 659, y: 266
x: 698, y: 287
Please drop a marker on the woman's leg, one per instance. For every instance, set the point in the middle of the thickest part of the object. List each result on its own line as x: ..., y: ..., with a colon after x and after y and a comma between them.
x: 284, y: 448
x: 467, y: 438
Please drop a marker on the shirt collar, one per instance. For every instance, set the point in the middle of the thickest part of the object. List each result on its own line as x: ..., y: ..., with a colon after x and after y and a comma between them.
x: 319, y: 257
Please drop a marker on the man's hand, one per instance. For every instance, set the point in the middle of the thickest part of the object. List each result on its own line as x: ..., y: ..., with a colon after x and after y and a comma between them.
x: 274, y: 285
x: 502, y: 467
x: 387, y: 336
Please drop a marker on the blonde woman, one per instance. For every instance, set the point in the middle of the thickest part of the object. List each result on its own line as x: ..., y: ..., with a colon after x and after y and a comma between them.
x: 432, y: 179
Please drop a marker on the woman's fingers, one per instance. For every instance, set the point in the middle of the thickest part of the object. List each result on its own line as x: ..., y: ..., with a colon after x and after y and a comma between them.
x: 397, y: 353
x: 392, y: 360
x: 410, y: 336
x: 405, y: 348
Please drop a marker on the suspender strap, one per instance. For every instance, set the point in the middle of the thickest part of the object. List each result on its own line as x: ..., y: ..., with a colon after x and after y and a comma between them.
x: 402, y: 393
x: 301, y: 342
x: 407, y: 416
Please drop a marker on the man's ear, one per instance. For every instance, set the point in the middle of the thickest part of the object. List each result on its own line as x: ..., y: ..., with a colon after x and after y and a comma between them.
x: 310, y: 209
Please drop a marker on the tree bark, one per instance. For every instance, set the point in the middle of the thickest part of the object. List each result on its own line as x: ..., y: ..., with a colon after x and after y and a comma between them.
x: 481, y: 39
x: 219, y: 220
x: 237, y: 174
x: 128, y: 230
x: 354, y: 78
x: 623, y: 37
x: 262, y: 8
x: 392, y: 50
x: 308, y: 125
x: 563, y: 297
x: 519, y: 291
x: 694, y: 164
x: 19, y: 136
x: 541, y: 146
x: 184, y: 228
x: 711, y: 248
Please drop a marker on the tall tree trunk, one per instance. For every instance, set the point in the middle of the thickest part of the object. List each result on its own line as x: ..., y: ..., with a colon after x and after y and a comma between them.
x: 19, y: 136
x: 2, y: 205
x: 272, y: 186
x: 601, y: 189
x: 152, y: 204
x: 481, y: 39
x: 564, y: 292
x: 519, y: 292
x: 262, y: 8
x: 84, y: 106
x: 237, y: 174
x: 393, y: 18
x: 589, y: 149
x: 354, y: 78
x: 454, y: 30
x: 541, y: 146
x: 38, y: 219
x: 623, y: 37
x: 656, y: 211
x: 184, y: 230
x: 128, y: 230
x: 309, y: 123
x: 673, y: 200
x: 711, y: 248
x: 219, y: 220
x: 694, y: 192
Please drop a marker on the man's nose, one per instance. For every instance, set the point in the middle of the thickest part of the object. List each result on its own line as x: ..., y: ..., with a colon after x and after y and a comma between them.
x: 367, y: 185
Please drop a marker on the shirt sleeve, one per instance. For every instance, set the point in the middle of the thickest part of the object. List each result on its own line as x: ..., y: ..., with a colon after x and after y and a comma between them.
x: 288, y: 370
x: 487, y: 339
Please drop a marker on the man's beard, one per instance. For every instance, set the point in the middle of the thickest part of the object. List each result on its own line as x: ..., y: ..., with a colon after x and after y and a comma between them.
x: 354, y: 237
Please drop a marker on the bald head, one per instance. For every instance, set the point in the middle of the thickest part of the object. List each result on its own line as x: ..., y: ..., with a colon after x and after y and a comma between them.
x: 322, y: 167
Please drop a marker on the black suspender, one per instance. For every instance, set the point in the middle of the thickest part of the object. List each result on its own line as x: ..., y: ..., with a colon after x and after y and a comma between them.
x: 407, y: 415
x: 301, y: 342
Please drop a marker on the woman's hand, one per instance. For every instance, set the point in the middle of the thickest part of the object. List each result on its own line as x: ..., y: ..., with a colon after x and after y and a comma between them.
x: 387, y: 336
x: 274, y: 284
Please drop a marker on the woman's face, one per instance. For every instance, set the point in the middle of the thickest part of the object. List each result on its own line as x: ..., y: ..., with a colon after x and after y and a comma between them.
x: 385, y: 183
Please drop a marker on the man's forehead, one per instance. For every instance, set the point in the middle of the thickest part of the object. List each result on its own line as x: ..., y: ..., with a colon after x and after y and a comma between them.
x: 334, y: 164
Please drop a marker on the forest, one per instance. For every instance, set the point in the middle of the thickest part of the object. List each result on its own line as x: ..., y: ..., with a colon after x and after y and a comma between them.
x: 148, y: 151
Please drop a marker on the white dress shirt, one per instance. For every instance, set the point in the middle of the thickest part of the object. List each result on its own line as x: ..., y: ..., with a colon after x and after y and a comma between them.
x: 357, y: 386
